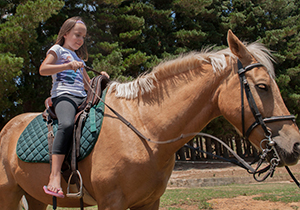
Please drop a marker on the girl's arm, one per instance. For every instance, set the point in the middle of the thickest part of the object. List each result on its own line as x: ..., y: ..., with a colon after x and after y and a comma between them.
x: 105, y: 74
x: 49, y: 67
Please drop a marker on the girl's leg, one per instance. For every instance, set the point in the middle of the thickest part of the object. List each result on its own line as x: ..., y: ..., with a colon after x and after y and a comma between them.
x: 54, y: 184
x: 65, y: 109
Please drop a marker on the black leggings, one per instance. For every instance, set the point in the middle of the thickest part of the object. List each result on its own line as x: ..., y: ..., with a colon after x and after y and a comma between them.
x: 65, y: 107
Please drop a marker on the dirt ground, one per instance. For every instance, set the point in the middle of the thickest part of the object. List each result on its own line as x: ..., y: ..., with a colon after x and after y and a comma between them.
x: 189, y: 174
x: 189, y: 170
x: 247, y: 203
x: 243, y: 203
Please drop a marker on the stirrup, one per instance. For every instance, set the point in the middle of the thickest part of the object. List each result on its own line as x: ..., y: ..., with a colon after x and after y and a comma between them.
x: 78, y: 194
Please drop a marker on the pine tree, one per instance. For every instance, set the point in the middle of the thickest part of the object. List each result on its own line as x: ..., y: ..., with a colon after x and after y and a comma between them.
x: 18, y: 52
x: 134, y: 36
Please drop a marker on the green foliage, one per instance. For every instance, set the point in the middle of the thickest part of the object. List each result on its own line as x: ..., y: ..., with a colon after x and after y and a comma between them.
x: 18, y: 47
x: 9, y: 70
x: 112, y: 64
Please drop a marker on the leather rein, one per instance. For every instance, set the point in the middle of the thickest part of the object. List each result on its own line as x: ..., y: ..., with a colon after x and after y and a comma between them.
x: 267, y: 145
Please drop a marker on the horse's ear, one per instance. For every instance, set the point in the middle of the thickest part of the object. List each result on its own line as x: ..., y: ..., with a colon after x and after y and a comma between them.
x: 238, y: 48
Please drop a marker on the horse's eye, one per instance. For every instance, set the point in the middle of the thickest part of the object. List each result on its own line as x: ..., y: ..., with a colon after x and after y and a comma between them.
x: 262, y: 86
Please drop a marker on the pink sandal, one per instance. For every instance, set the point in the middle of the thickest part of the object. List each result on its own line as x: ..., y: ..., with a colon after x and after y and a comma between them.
x: 58, y: 194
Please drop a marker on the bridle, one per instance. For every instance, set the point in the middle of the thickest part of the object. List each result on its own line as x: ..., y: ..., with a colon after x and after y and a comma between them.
x: 259, y: 120
x: 267, y: 145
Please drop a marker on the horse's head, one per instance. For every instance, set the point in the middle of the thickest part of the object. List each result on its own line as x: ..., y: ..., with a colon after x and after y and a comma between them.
x: 263, y: 104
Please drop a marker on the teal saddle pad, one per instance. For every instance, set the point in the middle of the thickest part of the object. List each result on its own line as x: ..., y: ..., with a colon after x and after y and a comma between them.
x: 32, y: 145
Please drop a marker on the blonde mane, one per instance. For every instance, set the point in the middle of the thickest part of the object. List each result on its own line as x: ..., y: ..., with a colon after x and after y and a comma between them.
x: 145, y: 82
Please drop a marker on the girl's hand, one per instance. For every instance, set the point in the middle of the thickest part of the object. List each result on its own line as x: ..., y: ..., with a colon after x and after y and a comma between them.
x: 74, y: 65
x: 105, y: 74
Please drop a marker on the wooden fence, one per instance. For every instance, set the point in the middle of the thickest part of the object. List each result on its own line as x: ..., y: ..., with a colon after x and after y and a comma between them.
x: 238, y: 144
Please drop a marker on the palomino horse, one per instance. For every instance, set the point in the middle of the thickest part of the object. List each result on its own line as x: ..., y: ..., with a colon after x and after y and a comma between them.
x: 179, y: 96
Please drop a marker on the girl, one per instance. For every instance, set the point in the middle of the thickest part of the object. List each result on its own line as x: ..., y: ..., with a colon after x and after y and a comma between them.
x: 65, y: 62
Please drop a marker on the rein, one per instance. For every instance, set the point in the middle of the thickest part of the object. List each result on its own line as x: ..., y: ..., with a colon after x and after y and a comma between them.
x: 259, y: 120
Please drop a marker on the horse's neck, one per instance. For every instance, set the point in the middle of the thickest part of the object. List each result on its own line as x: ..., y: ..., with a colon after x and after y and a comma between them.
x: 178, y: 105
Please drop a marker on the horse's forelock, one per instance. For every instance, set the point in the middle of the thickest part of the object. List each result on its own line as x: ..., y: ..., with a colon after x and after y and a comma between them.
x: 192, y: 60
x: 262, y: 55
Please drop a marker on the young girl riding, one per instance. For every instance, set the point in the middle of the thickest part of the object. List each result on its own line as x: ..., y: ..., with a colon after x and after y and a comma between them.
x: 65, y: 62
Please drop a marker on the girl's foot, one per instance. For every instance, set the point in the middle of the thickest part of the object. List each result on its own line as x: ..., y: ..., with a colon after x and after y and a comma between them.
x: 53, y: 187
x: 57, y: 192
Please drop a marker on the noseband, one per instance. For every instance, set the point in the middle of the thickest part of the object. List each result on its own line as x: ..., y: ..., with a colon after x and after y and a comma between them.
x: 259, y: 120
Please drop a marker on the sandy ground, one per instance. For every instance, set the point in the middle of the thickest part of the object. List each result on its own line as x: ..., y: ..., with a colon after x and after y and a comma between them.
x: 203, y: 174
x: 248, y: 203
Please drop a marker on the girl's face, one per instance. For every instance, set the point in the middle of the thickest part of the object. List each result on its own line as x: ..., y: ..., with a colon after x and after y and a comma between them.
x: 74, y: 39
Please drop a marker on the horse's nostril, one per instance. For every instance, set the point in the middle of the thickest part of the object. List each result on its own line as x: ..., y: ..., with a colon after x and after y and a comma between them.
x: 297, y: 147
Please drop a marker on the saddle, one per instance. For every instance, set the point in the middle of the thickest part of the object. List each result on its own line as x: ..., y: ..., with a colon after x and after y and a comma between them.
x: 97, y: 84
x: 69, y: 168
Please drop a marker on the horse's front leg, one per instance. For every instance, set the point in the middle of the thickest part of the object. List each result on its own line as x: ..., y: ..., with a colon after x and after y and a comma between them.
x: 33, y: 203
x: 10, y: 197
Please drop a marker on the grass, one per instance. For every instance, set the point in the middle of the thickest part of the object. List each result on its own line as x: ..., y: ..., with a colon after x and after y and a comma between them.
x: 199, y: 196
x: 174, y: 198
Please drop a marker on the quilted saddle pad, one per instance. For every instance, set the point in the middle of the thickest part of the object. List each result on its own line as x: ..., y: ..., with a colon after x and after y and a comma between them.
x: 32, y: 145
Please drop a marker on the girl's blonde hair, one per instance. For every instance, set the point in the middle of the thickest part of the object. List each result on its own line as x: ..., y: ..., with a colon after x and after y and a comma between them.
x: 66, y: 27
